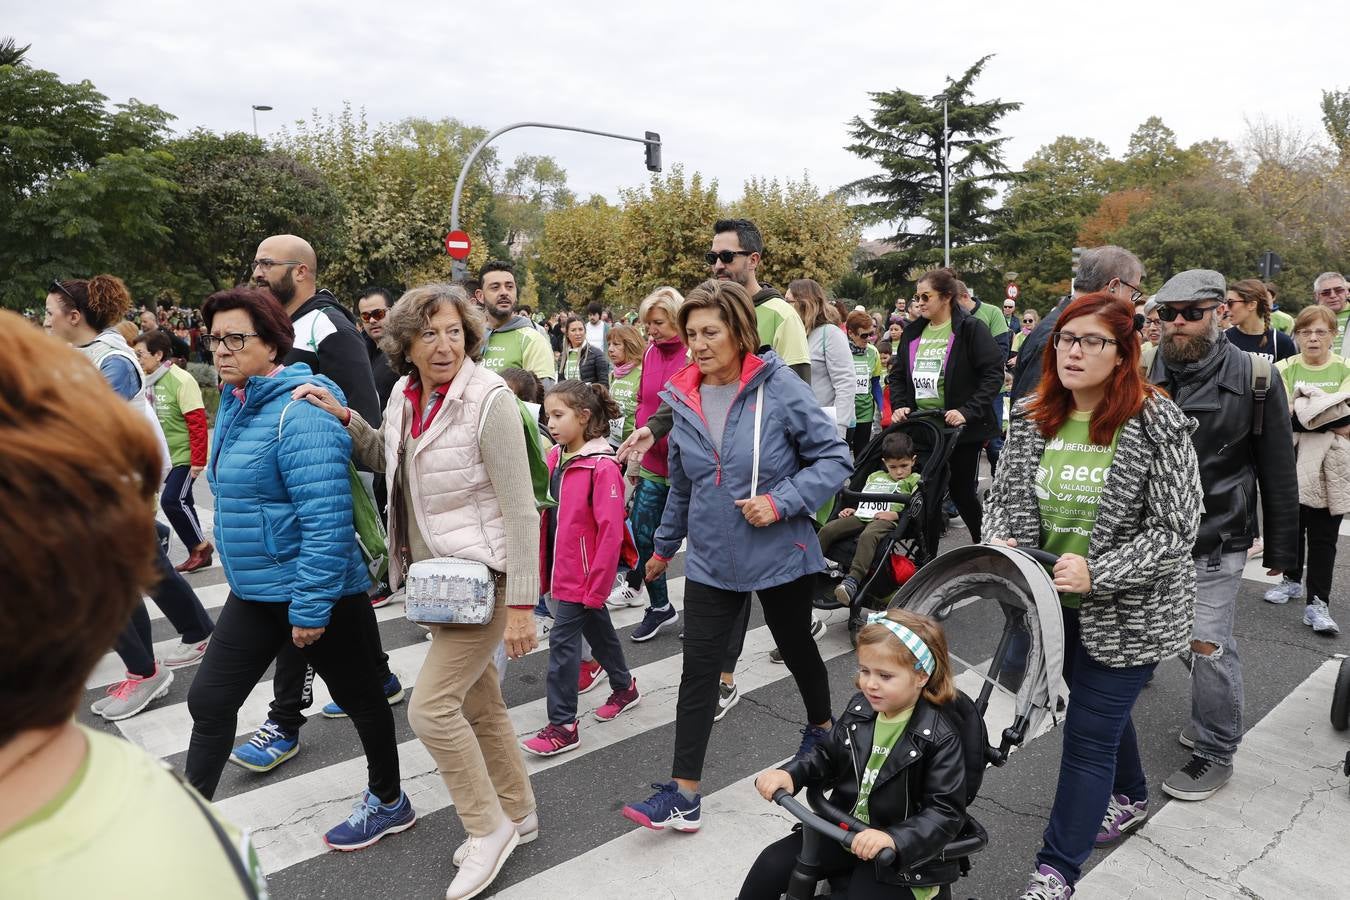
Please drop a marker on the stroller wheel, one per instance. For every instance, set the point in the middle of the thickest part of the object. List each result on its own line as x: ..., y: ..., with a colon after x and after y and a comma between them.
x: 1340, y: 698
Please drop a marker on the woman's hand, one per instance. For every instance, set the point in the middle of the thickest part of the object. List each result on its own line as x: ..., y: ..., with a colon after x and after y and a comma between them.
x: 899, y: 415
x: 655, y: 568
x: 869, y: 843
x: 1071, y: 575
x: 954, y: 418
x: 520, y: 635
x: 758, y: 511
x: 303, y: 637
x: 1002, y: 542
x: 771, y: 782
x: 639, y: 442
x: 322, y: 398
x: 194, y: 471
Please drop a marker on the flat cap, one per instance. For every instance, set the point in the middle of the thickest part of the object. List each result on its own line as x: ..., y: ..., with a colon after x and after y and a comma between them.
x: 1193, y: 284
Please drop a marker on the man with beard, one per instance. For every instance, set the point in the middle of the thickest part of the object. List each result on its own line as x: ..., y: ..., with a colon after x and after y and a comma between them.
x: 513, y: 342
x: 1242, y: 441
x: 326, y: 340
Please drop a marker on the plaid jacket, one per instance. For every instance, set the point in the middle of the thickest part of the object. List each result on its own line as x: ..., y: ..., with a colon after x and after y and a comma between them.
x: 1142, y: 603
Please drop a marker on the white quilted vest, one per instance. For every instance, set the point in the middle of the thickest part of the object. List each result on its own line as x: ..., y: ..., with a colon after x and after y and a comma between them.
x: 453, y: 501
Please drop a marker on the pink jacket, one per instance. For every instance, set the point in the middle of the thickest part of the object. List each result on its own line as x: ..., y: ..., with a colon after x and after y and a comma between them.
x: 661, y: 361
x: 591, y: 535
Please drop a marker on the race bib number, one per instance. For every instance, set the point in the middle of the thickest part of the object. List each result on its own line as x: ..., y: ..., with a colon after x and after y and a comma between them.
x: 926, y: 375
x: 868, y: 511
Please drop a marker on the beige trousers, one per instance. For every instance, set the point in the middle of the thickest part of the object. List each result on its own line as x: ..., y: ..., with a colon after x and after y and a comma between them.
x: 458, y: 712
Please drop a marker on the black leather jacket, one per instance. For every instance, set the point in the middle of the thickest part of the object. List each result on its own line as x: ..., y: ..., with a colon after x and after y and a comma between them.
x: 919, y: 798
x: 1217, y: 392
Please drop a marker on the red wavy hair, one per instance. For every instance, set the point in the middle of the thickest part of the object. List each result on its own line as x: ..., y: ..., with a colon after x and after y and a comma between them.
x: 1125, y: 391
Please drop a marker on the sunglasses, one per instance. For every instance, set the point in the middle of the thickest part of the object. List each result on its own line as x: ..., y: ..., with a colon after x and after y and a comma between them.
x: 58, y: 288
x: 726, y: 256
x: 374, y: 315
x: 1190, y: 313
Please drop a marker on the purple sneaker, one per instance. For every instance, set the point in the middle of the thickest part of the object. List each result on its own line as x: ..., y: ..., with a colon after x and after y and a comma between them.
x: 1047, y: 884
x: 1122, y: 815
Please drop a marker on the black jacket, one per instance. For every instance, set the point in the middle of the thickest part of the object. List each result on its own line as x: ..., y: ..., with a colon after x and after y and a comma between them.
x: 919, y: 797
x: 328, y: 341
x: 384, y: 374
x: 972, y: 378
x: 1027, y: 372
x: 1217, y: 393
x: 593, y: 365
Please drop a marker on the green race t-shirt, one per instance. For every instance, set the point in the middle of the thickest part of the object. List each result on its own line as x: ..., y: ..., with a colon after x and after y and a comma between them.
x: 1283, y: 321
x: 882, y: 483
x: 177, y: 394
x: 572, y: 367
x: 625, y: 393
x: 520, y: 348
x: 992, y: 317
x: 929, y: 364
x: 781, y: 329
x: 1332, y: 376
x: 1069, y: 484
x: 866, y: 366
x: 887, y: 732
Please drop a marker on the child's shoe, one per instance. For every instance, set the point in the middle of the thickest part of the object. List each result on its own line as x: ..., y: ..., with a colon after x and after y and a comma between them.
x: 846, y: 590
x: 552, y: 740
x: 589, y: 676
x: 618, y: 702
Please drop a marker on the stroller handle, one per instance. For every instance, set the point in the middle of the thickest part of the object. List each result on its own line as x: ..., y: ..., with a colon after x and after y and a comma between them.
x: 819, y: 825
x: 1041, y: 556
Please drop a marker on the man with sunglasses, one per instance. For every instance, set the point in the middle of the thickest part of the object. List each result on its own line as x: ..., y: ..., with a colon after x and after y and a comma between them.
x: 1329, y: 290
x: 371, y: 308
x: 1242, y: 441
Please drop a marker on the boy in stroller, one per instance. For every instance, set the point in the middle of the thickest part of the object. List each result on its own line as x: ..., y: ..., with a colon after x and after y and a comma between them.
x: 872, y: 522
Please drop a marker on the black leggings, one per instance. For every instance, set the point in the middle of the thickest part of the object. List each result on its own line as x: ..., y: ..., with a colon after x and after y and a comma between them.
x: 768, y: 877
x: 710, y: 614
x: 179, y: 603
x: 246, y: 640
x: 859, y: 436
x: 965, y: 472
x: 1318, y: 531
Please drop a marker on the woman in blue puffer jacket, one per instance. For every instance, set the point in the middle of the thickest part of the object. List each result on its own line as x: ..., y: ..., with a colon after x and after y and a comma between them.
x: 284, y: 532
x: 752, y: 457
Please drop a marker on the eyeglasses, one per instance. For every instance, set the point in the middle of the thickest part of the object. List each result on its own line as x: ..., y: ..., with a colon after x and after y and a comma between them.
x: 1092, y: 344
x: 726, y: 256
x: 234, y: 342
x: 1135, y: 293
x: 867, y: 334
x: 1313, y: 333
x: 1190, y: 313
x: 58, y: 288
x: 266, y: 264
x: 1332, y: 291
x: 1028, y: 321
x: 374, y: 315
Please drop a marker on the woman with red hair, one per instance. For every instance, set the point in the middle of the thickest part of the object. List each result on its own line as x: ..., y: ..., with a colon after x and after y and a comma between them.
x: 1099, y: 470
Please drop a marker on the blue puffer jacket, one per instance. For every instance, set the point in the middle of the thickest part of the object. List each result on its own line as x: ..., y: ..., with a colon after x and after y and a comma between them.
x: 802, y: 463
x: 283, y: 503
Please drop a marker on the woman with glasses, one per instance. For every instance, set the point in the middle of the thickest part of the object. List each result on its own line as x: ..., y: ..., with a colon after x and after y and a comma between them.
x: 948, y: 360
x: 1099, y: 469
x: 1251, y: 330
x: 1315, y: 366
x: 1030, y: 319
x: 278, y: 471
x: 862, y: 332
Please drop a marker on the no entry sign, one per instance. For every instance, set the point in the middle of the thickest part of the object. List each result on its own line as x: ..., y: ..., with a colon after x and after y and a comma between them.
x: 457, y: 245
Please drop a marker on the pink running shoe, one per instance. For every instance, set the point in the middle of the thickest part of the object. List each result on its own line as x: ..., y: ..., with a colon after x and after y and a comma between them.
x: 589, y: 677
x: 552, y: 740
x: 618, y: 702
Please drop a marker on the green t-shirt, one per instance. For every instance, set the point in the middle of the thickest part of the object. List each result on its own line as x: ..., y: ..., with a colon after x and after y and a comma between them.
x: 882, y: 483
x: 929, y: 364
x: 781, y: 329
x: 866, y: 366
x: 1069, y: 484
x: 624, y: 390
x: 993, y: 317
x: 572, y: 366
x: 1332, y: 376
x: 1283, y: 321
x: 127, y: 825
x: 177, y: 394
x: 520, y: 348
x: 887, y: 732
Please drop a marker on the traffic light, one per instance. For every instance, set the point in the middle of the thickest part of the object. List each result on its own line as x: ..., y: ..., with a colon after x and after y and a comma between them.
x: 1269, y: 265
x: 653, y: 146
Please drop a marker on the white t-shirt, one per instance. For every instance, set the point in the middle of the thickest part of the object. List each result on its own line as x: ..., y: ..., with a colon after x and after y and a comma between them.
x: 595, y: 336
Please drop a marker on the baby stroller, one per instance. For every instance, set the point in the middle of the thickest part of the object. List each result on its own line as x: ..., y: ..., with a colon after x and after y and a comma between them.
x: 1003, y: 609
x: 915, y: 535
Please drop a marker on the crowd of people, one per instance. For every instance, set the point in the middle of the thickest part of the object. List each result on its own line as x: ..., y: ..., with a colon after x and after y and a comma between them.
x: 1152, y: 444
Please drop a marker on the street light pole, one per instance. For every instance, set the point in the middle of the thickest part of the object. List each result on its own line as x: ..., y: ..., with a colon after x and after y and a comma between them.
x: 652, y: 141
x: 257, y: 108
x: 946, y: 190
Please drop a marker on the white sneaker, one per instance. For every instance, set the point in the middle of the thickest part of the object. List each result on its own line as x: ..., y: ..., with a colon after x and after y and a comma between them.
x: 1257, y: 549
x: 127, y: 698
x: 728, y: 695
x: 623, y: 595
x: 186, y: 654
x: 1285, y: 591
x: 483, y: 859
x: 1318, y: 617
x: 527, y: 828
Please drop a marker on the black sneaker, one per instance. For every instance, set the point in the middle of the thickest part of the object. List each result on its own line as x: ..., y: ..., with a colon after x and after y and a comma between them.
x: 1199, y: 779
x: 817, y: 632
x: 652, y: 622
x: 811, y: 736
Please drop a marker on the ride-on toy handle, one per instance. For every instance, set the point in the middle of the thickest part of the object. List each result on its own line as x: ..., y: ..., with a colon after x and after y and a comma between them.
x: 828, y: 829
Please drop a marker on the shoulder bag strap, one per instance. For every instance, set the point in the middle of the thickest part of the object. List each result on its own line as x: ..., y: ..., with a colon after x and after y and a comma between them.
x: 231, y: 852
x: 759, y: 419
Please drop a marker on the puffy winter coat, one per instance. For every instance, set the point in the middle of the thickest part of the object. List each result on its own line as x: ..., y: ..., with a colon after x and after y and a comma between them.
x: 283, y: 502
x: 589, y: 537
x: 803, y: 463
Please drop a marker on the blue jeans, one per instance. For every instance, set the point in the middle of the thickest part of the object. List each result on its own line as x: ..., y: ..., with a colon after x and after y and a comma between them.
x: 1101, y: 754
x: 571, y: 621
x: 1216, y: 679
x: 649, y: 502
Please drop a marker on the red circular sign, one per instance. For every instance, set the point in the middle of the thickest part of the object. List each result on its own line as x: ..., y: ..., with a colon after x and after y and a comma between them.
x: 457, y: 245
x: 1013, y: 292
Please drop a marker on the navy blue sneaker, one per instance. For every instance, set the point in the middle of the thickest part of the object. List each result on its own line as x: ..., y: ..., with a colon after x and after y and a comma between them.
x: 268, y: 748
x: 371, y: 821
x: 811, y: 736
x: 652, y: 622
x: 667, y: 808
x: 393, y: 692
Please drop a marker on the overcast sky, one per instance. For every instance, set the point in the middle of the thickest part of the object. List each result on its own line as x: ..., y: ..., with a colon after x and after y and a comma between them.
x: 735, y: 89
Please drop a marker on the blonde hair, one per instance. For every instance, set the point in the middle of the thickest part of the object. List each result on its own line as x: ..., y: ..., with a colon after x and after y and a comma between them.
x: 666, y: 299
x: 940, y: 688
x: 128, y: 332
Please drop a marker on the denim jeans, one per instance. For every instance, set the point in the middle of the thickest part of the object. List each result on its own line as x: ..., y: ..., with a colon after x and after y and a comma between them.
x: 570, y: 622
x: 1101, y: 753
x: 1216, y: 679
x: 649, y: 502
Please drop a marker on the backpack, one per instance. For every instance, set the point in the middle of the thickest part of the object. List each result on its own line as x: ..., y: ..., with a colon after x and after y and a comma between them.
x: 1261, y: 367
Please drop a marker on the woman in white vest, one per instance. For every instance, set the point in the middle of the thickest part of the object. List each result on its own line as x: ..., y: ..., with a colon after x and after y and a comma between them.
x: 452, y: 447
x: 84, y: 313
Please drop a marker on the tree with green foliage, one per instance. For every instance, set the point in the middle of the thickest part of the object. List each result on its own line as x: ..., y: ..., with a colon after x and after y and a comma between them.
x: 905, y: 138
x: 11, y: 54
x: 807, y: 233
x: 1336, y: 120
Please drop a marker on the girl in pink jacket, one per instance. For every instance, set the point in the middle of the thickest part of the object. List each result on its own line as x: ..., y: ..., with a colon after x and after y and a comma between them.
x: 582, y: 540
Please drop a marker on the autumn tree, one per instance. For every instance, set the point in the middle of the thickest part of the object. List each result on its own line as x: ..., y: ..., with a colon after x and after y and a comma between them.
x: 807, y: 234
x: 578, y: 251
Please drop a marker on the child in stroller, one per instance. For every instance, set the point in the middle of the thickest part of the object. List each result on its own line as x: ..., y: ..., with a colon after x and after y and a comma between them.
x: 873, y: 522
